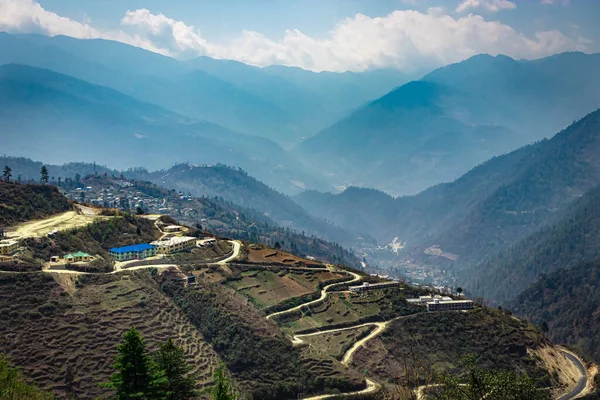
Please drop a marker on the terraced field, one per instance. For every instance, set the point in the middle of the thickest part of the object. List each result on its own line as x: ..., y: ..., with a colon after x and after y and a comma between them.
x: 337, y: 308
x: 73, y: 324
x: 335, y: 344
x: 266, y: 288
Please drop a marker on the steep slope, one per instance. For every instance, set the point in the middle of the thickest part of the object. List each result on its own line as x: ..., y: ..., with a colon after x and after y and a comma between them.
x: 96, y: 123
x: 153, y: 78
x: 487, y: 209
x: 435, y: 129
x: 238, y: 187
x: 415, y: 141
x: 518, y: 94
x: 567, y: 303
x: 572, y: 240
x: 241, y: 97
x: 19, y: 203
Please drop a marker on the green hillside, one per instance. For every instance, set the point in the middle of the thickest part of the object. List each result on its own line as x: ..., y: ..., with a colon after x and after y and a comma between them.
x: 19, y: 203
x: 566, y: 302
x: 572, y: 240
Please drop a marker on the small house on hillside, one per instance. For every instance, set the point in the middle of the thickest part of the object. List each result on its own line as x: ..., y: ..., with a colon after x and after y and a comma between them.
x: 174, y: 275
x: 8, y: 246
x: 133, y: 252
x: 77, y: 257
x: 172, y: 228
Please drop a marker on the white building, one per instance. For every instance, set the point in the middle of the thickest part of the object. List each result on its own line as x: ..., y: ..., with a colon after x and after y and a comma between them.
x: 174, y: 244
x: 8, y: 246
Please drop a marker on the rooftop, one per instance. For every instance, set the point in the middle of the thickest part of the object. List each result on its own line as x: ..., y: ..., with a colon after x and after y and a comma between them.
x: 136, y: 248
x: 173, y: 241
x: 77, y: 254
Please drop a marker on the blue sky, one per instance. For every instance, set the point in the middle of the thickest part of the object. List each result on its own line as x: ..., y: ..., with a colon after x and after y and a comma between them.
x: 322, y: 34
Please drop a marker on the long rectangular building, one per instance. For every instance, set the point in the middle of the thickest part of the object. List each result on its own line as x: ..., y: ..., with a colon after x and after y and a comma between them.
x: 174, y: 244
x: 366, y: 286
x: 449, y: 305
x: 134, y: 252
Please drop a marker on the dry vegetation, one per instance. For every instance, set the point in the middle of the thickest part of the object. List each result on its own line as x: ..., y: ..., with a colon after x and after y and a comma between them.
x: 261, y: 254
x: 63, y: 334
x: 345, y: 309
x: 437, y: 342
x: 269, y: 287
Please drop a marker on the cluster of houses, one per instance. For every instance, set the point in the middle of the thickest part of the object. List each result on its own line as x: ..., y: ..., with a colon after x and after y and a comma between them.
x: 442, y: 303
x: 125, y: 196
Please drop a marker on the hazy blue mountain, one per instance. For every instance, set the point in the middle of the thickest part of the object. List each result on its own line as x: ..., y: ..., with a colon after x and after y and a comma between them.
x: 486, y: 210
x: 341, y: 93
x: 436, y: 129
x: 537, y: 97
x: 405, y: 141
x: 241, y: 97
x: 86, y: 122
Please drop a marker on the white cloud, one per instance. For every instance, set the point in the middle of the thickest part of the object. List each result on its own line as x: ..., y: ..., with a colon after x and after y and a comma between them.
x: 406, y: 39
x: 489, y: 5
x: 563, y: 2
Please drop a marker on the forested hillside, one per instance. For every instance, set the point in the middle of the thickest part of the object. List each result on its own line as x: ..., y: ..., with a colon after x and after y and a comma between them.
x: 19, y: 203
x: 572, y: 240
x: 566, y: 303
x: 487, y: 209
x: 434, y: 130
x: 236, y: 186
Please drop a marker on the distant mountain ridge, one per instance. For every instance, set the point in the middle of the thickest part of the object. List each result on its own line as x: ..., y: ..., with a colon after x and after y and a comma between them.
x: 486, y: 210
x: 436, y: 129
x: 89, y: 122
x: 240, y: 97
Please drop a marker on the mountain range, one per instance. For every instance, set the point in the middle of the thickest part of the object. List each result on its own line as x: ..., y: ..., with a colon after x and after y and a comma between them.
x: 243, y: 98
x: 436, y: 129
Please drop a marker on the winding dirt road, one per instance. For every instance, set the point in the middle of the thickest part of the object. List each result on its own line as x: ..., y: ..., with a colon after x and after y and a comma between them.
x: 324, y: 293
x: 372, y: 387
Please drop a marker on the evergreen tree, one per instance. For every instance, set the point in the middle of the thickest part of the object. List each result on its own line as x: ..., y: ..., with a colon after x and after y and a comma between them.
x: 171, y: 360
x: 44, y: 175
x: 223, y: 389
x: 137, y: 376
x: 7, y: 173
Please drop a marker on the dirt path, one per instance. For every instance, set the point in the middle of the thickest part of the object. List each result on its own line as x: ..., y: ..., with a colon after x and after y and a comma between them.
x: 324, y: 293
x: 372, y: 387
x: 59, y: 222
x: 236, y: 252
x: 116, y: 271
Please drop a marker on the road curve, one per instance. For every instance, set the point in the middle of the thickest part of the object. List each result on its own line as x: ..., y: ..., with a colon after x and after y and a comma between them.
x: 236, y: 252
x: 371, y: 388
x: 581, y: 383
x: 355, y: 278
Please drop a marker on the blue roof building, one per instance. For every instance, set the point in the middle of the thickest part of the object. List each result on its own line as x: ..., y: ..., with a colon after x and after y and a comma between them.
x: 133, y: 252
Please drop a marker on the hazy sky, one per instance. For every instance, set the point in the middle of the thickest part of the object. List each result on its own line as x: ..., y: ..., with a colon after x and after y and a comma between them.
x: 333, y: 35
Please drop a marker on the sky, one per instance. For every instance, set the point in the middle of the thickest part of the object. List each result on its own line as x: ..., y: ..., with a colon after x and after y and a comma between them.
x: 321, y: 35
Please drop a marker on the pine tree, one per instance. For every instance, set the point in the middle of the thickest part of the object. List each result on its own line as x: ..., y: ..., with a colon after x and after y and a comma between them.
x: 137, y: 376
x: 223, y: 389
x: 171, y: 360
x: 44, y: 175
x: 7, y: 173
